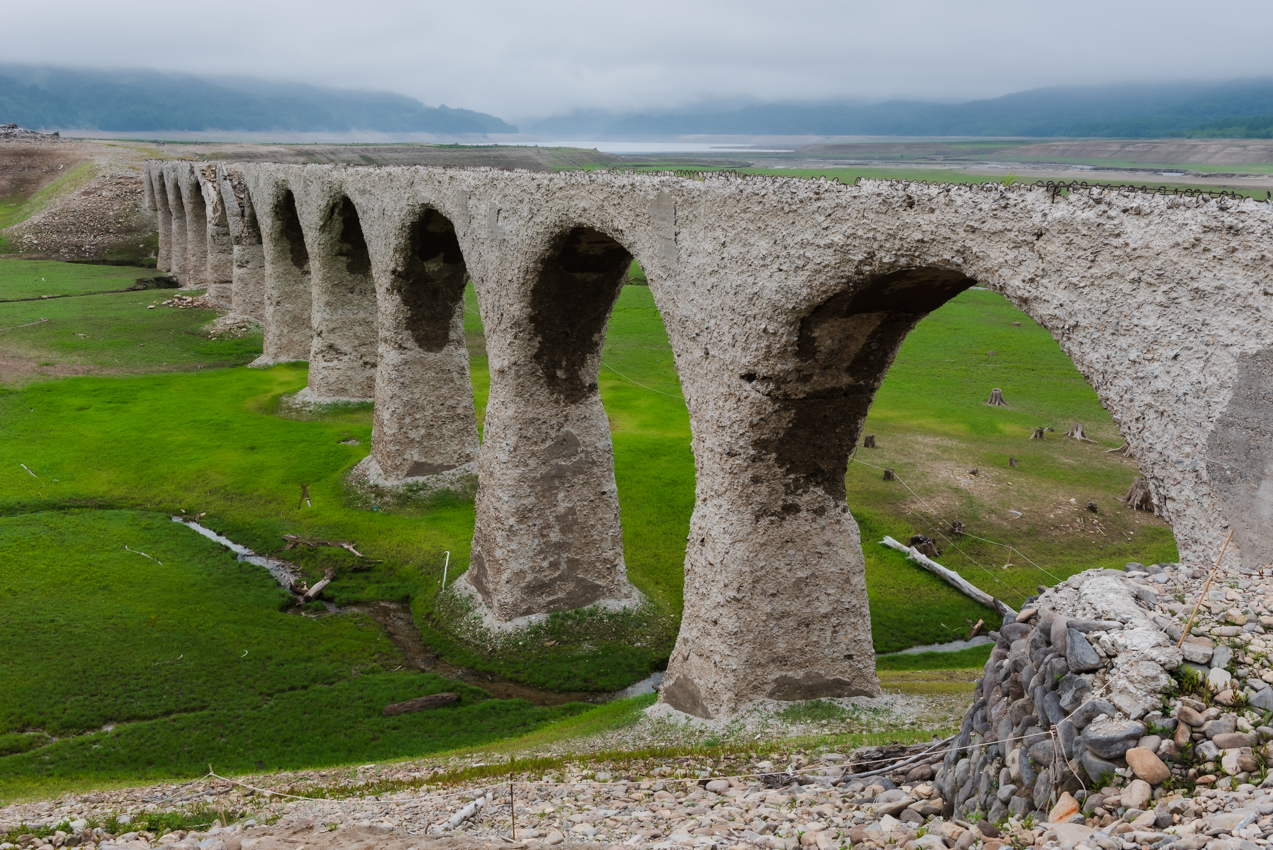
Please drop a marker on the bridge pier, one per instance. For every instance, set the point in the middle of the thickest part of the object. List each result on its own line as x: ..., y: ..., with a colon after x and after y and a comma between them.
x: 220, y: 266
x: 177, y: 226
x: 288, y: 297
x: 343, y: 353
x: 163, y: 258
x: 425, y: 422
x: 195, y: 262
x: 547, y: 536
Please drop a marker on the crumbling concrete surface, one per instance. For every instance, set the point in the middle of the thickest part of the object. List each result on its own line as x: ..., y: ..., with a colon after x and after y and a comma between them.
x: 785, y: 301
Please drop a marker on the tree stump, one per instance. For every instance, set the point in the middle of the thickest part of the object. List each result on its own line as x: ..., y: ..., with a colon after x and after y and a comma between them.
x: 1125, y: 448
x: 957, y: 528
x: 888, y: 475
x: 1076, y: 433
x: 1091, y: 506
x: 996, y: 398
x: 1014, y: 463
x: 924, y: 545
x: 1139, y: 498
x: 1037, y: 435
x: 868, y: 442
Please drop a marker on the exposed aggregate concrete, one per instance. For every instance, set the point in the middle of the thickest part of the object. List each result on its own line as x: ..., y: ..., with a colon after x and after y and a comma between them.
x: 785, y: 301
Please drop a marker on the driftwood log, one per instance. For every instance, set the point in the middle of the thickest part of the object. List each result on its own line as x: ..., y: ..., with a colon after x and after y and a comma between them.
x: 1139, y: 497
x: 420, y: 704
x: 312, y: 593
x: 952, y: 578
x: 996, y: 398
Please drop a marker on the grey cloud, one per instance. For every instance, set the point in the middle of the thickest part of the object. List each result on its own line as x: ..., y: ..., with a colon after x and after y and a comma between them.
x: 520, y: 60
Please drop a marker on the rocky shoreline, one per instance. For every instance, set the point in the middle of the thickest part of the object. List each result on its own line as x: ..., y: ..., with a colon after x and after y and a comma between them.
x: 1089, y: 729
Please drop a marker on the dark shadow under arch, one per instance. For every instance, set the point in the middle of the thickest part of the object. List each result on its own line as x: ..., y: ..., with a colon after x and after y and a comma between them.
x: 288, y: 229
x: 578, y: 284
x: 843, y: 351
x: 430, y: 279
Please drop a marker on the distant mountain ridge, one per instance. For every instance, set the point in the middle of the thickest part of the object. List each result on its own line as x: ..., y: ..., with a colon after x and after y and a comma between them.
x: 142, y: 100
x: 1234, y: 109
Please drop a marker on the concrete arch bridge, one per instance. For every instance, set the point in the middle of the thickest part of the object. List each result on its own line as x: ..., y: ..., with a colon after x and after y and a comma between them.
x: 785, y: 301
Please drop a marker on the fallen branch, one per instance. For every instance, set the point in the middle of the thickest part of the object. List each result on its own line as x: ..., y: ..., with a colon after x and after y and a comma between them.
x: 143, y: 554
x: 952, y: 578
x: 27, y: 325
x: 294, y: 540
x: 28, y: 469
x: 420, y: 704
x: 313, y: 592
x: 906, y: 762
x: 461, y: 816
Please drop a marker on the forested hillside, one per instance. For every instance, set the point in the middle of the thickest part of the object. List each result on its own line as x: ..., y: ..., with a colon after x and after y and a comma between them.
x: 127, y: 101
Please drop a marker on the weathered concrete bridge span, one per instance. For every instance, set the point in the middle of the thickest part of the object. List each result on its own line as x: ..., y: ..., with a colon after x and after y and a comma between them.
x: 785, y: 301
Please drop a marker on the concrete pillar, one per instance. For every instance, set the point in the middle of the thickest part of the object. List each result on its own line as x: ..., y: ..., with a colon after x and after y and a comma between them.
x: 775, y: 590
x: 196, y: 256
x: 163, y: 261
x: 425, y: 422
x: 547, y: 536
x: 342, y: 358
x: 148, y: 186
x: 248, y: 275
x: 177, y: 229
x: 288, y: 296
x: 220, y: 268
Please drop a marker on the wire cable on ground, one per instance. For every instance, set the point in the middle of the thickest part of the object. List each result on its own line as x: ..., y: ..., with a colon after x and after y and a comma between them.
x: 642, y: 386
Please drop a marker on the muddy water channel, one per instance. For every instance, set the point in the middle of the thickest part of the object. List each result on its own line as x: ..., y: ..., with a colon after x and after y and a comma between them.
x: 395, y: 618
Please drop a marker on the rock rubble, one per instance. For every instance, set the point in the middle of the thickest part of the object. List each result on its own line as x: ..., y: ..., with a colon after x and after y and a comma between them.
x: 1090, y: 730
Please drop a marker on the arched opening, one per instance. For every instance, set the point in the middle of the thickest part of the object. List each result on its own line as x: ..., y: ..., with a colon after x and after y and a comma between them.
x: 425, y: 422
x: 342, y: 359
x: 288, y: 296
x: 1007, y: 512
x: 196, y: 234
x: 248, y: 275
x: 844, y: 349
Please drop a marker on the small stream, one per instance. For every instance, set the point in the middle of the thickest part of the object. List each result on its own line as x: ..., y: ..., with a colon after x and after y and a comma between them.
x: 399, y: 626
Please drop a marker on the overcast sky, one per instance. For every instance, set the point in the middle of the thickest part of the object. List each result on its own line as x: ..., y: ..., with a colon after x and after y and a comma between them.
x: 521, y: 60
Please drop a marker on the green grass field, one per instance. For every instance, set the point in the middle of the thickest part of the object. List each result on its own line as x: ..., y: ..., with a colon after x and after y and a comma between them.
x: 154, y: 665
x: 153, y: 418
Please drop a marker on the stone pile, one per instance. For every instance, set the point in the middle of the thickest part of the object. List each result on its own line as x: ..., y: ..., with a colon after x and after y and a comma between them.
x: 196, y: 302
x: 12, y: 132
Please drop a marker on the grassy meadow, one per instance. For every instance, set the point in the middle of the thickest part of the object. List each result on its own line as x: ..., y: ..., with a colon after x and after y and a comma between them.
x: 113, y: 417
